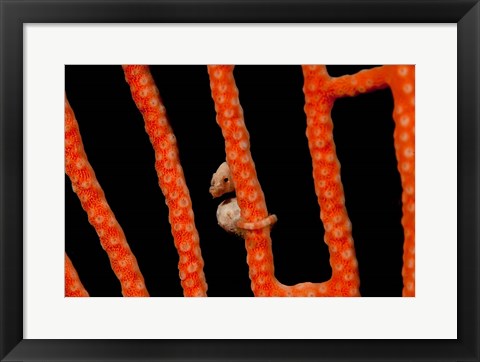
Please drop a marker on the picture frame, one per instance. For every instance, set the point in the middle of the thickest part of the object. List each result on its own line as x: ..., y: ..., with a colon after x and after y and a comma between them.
x: 466, y: 14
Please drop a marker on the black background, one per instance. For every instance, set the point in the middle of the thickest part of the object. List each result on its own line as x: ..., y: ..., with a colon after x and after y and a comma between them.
x: 119, y: 150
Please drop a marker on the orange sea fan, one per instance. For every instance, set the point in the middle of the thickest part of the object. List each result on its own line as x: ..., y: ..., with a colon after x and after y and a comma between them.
x: 273, y: 103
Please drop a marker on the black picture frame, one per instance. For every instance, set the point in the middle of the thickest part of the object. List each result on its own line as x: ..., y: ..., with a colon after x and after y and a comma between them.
x: 14, y: 14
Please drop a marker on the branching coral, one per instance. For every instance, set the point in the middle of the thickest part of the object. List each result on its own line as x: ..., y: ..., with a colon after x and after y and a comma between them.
x: 320, y: 92
x: 326, y: 173
x: 170, y: 178
x: 73, y: 285
x: 93, y: 201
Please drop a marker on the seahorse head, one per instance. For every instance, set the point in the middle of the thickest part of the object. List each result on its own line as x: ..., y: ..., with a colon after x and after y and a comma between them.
x: 222, y: 182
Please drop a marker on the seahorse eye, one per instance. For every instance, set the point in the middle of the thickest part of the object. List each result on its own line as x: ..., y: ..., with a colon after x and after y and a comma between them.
x: 225, y: 179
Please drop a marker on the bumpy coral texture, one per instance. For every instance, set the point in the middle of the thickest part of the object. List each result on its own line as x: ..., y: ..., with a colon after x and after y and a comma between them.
x: 100, y: 216
x: 401, y: 80
x: 252, y: 203
x: 253, y: 222
x: 319, y: 101
x: 170, y: 178
x: 320, y: 90
x: 73, y: 285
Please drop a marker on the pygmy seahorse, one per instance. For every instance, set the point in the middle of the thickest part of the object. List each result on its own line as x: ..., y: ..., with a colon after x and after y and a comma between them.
x: 228, y: 212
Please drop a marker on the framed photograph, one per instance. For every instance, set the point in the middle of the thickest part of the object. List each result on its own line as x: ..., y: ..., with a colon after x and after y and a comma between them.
x: 310, y: 167
x: 278, y: 167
